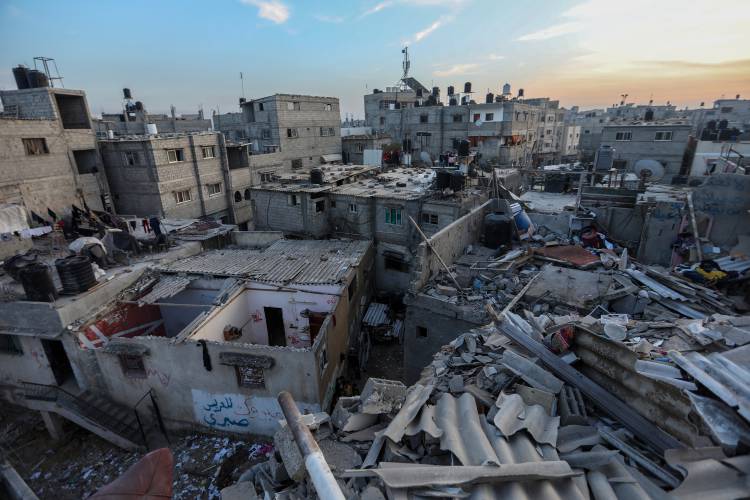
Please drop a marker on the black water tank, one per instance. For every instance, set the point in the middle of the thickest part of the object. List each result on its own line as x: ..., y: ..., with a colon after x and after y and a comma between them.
x: 457, y: 180
x: 465, y: 100
x: 467, y: 88
x: 21, y: 74
x: 37, y: 283
x: 451, y: 90
x: 452, y: 101
x: 316, y: 176
x: 139, y: 105
x: 76, y: 274
x: 376, y: 91
x: 37, y: 79
x: 436, y: 91
x: 126, y: 94
x: 443, y: 179
x: 490, y: 98
x: 242, y: 101
x: 463, y: 148
x: 13, y: 265
x: 520, y: 92
x: 498, y: 231
x: 649, y: 115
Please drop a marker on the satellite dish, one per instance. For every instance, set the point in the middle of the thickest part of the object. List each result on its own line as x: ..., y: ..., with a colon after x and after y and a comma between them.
x: 649, y: 169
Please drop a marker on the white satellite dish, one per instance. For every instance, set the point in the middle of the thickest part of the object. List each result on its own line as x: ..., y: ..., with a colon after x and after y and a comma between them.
x: 649, y: 169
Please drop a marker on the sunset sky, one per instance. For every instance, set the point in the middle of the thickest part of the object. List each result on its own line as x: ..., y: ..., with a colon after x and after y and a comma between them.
x: 191, y: 52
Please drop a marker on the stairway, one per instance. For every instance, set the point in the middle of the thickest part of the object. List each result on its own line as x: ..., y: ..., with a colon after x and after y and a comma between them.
x: 105, y: 418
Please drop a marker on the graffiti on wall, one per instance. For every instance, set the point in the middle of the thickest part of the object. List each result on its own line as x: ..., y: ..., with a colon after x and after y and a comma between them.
x: 239, y: 412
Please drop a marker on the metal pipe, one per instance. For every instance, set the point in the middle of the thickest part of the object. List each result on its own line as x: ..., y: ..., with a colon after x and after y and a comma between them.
x: 322, y: 478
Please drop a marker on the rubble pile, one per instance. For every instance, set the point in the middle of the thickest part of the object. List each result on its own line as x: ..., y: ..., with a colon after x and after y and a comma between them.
x: 514, y: 409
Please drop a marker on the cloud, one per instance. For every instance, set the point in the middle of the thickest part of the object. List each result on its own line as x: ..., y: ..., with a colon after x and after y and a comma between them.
x: 495, y: 57
x: 551, y: 32
x: 457, y: 69
x: 329, y: 19
x: 273, y: 10
x: 422, y: 34
x: 415, y: 3
x: 377, y: 8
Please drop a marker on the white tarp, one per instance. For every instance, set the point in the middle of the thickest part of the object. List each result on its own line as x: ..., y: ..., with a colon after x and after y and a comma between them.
x: 12, y: 218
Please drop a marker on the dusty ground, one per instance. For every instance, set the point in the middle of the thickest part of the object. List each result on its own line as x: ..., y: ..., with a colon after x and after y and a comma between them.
x: 82, y: 463
x: 386, y: 361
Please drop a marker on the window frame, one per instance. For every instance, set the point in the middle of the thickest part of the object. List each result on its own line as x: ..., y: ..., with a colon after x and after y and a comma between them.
x: 180, y: 194
x: 293, y: 200
x: 28, y: 142
x: 132, y: 366
x: 667, y: 136
x: 209, y: 148
x: 10, y: 345
x: 212, y: 189
x: 458, y: 118
x: 353, y: 208
x: 430, y: 218
x: 394, y: 216
x: 623, y: 136
x: 130, y: 158
x: 179, y: 155
x: 424, y: 118
x: 489, y: 117
x: 256, y: 380
x: 292, y: 133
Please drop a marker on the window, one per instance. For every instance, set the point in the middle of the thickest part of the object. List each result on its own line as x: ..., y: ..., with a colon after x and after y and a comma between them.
x: 175, y: 155
x: 353, y: 208
x: 663, y: 136
x: 423, y: 118
x: 428, y: 218
x: 132, y: 365
x: 292, y: 133
x: 395, y: 261
x: 393, y: 216
x: 35, y: 146
x: 360, y: 147
x: 297, y: 163
x: 623, y: 136
x: 130, y: 158
x: 260, y: 106
x: 208, y: 152
x: 182, y: 196
x: 213, y: 189
x: 86, y: 161
x: 247, y: 194
x: 265, y: 133
x: 266, y: 176
x: 328, y: 107
x: 477, y: 117
x: 10, y: 344
x: 320, y: 206
x: 458, y: 118
x: 292, y: 106
x: 327, y: 131
x: 250, y: 376
x: 333, y: 203
x: 237, y: 197
x: 421, y: 331
x: 293, y: 200
x: 488, y: 117
x: 382, y: 120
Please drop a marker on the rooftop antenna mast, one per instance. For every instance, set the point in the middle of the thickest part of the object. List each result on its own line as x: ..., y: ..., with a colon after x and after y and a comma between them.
x: 242, y: 82
x: 44, y: 62
x: 405, y: 65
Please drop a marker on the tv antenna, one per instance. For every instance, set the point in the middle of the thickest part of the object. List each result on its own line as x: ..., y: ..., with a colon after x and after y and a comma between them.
x: 47, y: 63
x: 405, y: 65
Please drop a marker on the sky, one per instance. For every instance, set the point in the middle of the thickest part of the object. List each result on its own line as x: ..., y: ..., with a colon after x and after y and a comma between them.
x: 190, y: 53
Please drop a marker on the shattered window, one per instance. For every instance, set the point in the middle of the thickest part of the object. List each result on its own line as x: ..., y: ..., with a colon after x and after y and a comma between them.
x: 132, y: 366
x: 250, y: 376
x: 35, y: 146
x: 9, y: 344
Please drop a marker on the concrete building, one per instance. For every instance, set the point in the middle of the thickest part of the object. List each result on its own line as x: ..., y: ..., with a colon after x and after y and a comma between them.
x: 504, y: 132
x: 184, y: 176
x: 664, y: 142
x: 353, y: 146
x: 353, y: 203
x: 713, y: 157
x: 571, y: 138
x: 736, y: 112
x: 49, y: 156
x: 135, y: 119
x: 212, y: 337
x: 305, y: 130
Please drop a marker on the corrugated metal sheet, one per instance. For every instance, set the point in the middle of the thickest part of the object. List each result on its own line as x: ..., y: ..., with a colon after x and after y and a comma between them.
x: 285, y: 261
x: 376, y: 315
x: 167, y: 286
x: 733, y: 264
x: 655, y: 286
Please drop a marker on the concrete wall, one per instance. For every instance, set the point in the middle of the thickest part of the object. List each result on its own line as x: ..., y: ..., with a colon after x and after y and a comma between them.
x: 725, y: 198
x: 255, y: 239
x: 449, y: 243
x: 643, y: 146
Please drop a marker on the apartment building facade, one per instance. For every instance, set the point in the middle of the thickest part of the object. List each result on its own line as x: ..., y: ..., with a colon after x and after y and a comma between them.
x: 49, y: 159
x: 304, y: 130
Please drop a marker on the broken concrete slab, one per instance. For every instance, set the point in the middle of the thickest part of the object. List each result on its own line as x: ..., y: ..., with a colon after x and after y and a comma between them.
x: 532, y: 396
x: 534, y: 375
x: 382, y: 396
x: 285, y: 444
x: 347, y: 417
x: 239, y: 491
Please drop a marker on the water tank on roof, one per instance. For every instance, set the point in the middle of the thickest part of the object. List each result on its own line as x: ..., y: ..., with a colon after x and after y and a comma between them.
x: 498, y: 230
x: 520, y: 93
x: 604, y: 158
x: 452, y: 101
x: 316, y: 176
x: 649, y: 116
x: 436, y: 91
x: 465, y: 100
x: 490, y: 98
x: 467, y: 88
x: 21, y: 74
x: 457, y: 180
x: 419, y: 92
x: 126, y: 94
x: 139, y: 105
x: 376, y: 91
x: 443, y: 179
x: 451, y: 90
x: 37, y: 79
x: 506, y: 89
x: 37, y: 283
x: 76, y: 274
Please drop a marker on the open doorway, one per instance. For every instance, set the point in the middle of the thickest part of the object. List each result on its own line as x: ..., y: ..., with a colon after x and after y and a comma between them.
x: 275, y: 326
x: 58, y: 361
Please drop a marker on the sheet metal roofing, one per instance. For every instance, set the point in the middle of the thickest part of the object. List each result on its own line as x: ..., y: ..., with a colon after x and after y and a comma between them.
x: 306, y: 262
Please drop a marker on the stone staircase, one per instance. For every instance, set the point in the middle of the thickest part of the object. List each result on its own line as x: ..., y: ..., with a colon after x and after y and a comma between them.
x: 105, y: 418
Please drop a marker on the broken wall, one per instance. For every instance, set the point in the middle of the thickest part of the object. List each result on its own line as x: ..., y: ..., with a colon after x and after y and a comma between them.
x: 726, y: 198
x: 449, y: 243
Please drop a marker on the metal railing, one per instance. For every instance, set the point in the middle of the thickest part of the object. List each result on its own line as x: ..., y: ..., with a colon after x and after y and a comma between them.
x: 157, y: 412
